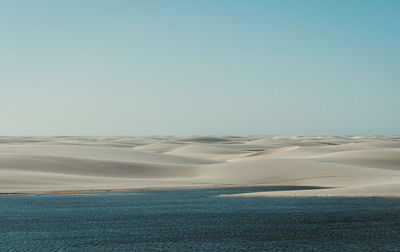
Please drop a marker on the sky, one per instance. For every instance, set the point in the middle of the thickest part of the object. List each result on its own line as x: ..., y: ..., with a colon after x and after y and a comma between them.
x: 210, y: 67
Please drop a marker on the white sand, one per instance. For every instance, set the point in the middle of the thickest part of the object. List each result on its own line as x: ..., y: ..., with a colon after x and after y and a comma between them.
x: 352, y: 166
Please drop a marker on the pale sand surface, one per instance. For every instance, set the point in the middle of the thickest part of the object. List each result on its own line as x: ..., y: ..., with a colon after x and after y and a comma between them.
x: 350, y: 166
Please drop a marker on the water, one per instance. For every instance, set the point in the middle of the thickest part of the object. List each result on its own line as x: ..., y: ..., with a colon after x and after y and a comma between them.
x: 197, y: 220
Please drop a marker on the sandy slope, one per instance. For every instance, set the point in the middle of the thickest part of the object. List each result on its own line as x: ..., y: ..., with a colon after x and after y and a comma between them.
x: 352, y: 166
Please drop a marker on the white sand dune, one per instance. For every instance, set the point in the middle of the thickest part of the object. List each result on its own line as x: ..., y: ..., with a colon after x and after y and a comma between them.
x: 349, y: 166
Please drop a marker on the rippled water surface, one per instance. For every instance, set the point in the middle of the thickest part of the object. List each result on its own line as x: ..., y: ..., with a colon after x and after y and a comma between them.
x: 197, y: 220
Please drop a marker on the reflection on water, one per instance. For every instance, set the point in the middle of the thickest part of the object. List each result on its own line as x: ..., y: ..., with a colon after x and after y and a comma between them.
x: 196, y: 220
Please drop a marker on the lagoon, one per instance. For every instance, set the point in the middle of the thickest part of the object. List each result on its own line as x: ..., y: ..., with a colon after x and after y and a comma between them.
x: 196, y: 219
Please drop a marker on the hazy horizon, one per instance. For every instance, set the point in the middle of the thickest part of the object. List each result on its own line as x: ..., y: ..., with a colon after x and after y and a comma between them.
x: 191, y: 68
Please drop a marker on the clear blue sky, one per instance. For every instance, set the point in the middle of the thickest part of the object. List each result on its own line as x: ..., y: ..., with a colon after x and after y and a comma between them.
x: 213, y: 67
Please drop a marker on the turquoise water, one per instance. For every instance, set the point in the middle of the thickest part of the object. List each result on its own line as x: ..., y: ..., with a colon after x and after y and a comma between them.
x: 196, y: 220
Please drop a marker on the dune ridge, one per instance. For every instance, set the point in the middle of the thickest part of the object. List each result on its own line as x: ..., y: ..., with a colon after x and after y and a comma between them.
x: 348, y: 166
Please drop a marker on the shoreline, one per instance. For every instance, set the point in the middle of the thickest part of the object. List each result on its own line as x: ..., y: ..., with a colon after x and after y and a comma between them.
x: 262, y: 194
x: 164, y: 188
x: 312, y: 196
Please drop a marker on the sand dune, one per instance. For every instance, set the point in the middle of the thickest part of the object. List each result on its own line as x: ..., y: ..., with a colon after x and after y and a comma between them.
x: 100, y: 153
x: 349, y: 166
x: 93, y: 167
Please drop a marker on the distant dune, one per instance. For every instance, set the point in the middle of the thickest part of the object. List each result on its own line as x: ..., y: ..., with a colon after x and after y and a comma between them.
x: 348, y: 166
